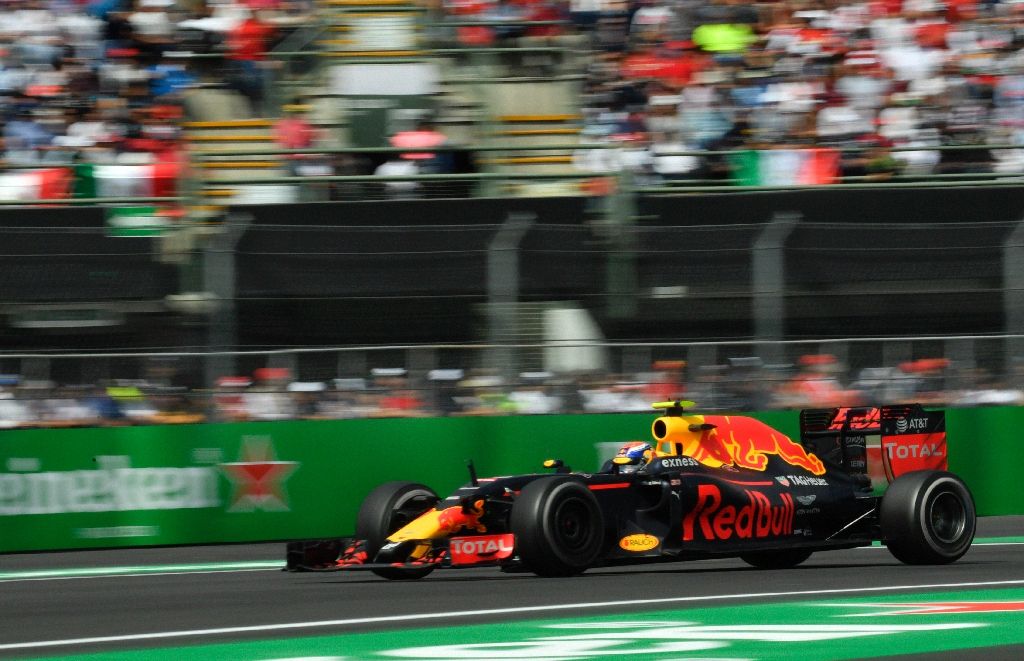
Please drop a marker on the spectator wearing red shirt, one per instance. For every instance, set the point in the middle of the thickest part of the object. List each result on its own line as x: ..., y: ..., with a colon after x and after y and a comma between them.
x: 247, y: 45
x: 673, y: 64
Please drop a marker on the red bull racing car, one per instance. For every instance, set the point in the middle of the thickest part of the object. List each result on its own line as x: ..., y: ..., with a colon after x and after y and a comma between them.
x: 707, y: 486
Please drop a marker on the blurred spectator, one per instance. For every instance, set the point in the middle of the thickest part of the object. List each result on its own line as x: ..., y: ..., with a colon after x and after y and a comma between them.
x: 13, y: 412
x: 306, y: 397
x: 534, y: 395
x: 416, y: 161
x: 483, y: 394
x: 105, y: 407
x: 613, y: 394
x: 152, y: 30
x: 397, y: 398
x: 816, y: 384
x: 884, y: 385
x: 987, y: 390
x: 666, y: 381
x: 25, y: 138
x: 247, y: 44
x: 929, y: 379
x: 267, y: 398
x: 229, y: 399
x: 295, y: 131
x: 446, y: 390
x: 425, y: 136
x: 399, y: 188
x: 174, y: 405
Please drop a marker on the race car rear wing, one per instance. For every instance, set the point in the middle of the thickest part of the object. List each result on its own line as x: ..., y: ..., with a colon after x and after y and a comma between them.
x: 881, y: 443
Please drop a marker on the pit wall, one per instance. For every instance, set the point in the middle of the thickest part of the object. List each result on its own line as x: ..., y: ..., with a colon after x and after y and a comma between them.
x: 249, y: 482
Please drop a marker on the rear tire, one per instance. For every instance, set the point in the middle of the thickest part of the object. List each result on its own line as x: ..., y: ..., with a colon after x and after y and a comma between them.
x: 558, y: 527
x: 386, y: 509
x: 776, y: 559
x: 928, y: 518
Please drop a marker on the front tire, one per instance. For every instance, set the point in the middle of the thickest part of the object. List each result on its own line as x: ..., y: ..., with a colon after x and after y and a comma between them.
x: 558, y: 527
x: 776, y: 559
x: 386, y: 509
x: 928, y: 518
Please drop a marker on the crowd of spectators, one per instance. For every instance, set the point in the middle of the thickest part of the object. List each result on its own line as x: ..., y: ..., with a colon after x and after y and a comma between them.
x: 877, y: 84
x: 742, y: 384
x: 91, y: 91
x: 818, y: 88
x: 777, y: 91
x: 780, y: 91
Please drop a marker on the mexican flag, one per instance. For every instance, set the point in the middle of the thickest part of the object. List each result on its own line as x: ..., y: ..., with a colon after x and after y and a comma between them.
x: 158, y: 179
x: 785, y: 167
x: 36, y: 184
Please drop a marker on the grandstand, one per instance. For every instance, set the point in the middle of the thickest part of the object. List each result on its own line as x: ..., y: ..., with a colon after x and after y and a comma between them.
x: 671, y: 190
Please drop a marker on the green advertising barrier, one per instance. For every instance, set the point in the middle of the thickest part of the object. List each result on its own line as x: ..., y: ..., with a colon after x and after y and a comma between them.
x: 222, y: 483
x: 986, y: 450
x: 247, y: 482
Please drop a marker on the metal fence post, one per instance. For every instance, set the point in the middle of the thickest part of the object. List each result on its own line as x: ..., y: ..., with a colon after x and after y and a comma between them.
x: 769, y: 285
x: 503, y: 290
x: 1013, y: 296
x: 622, y: 279
x: 219, y: 281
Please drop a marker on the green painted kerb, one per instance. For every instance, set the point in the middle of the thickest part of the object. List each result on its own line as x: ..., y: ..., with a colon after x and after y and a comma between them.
x: 825, y: 629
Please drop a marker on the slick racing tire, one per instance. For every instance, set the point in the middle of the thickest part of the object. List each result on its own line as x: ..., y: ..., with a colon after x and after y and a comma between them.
x: 386, y: 509
x: 558, y: 527
x: 927, y: 518
x: 776, y: 559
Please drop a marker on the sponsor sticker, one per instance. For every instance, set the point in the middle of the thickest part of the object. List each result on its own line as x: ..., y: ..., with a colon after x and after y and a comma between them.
x: 482, y: 548
x: 679, y: 462
x: 803, y: 481
x: 904, y: 425
x: 759, y: 518
x: 638, y: 543
x: 915, y: 451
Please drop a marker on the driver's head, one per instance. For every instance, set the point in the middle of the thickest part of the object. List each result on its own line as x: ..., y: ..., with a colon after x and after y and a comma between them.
x: 637, y: 452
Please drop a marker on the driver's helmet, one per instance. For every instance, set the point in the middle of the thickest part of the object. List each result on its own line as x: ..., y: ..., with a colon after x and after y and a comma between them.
x: 638, y: 452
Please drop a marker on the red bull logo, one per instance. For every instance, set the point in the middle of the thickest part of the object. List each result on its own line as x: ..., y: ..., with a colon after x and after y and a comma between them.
x: 454, y: 519
x: 758, y: 519
x: 749, y: 442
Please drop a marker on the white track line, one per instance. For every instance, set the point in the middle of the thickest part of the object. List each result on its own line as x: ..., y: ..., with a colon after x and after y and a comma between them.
x: 132, y: 575
x: 291, y: 626
x: 142, y: 571
x: 882, y: 547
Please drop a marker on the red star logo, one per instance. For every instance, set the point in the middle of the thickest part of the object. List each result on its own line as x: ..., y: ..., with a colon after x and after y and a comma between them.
x: 942, y: 608
x: 258, y: 477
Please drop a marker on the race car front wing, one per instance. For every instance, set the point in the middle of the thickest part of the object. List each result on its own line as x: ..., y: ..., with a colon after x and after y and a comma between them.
x: 351, y: 554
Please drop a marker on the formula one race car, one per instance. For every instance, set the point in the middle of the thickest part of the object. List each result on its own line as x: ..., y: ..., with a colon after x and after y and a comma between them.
x: 708, y: 486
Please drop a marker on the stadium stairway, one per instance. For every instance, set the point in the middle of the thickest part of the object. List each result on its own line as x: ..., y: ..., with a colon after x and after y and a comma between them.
x: 206, y: 139
x: 530, y: 99
x: 522, y: 94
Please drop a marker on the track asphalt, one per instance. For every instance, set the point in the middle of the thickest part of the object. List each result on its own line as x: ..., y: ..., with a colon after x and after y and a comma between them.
x: 199, y: 598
